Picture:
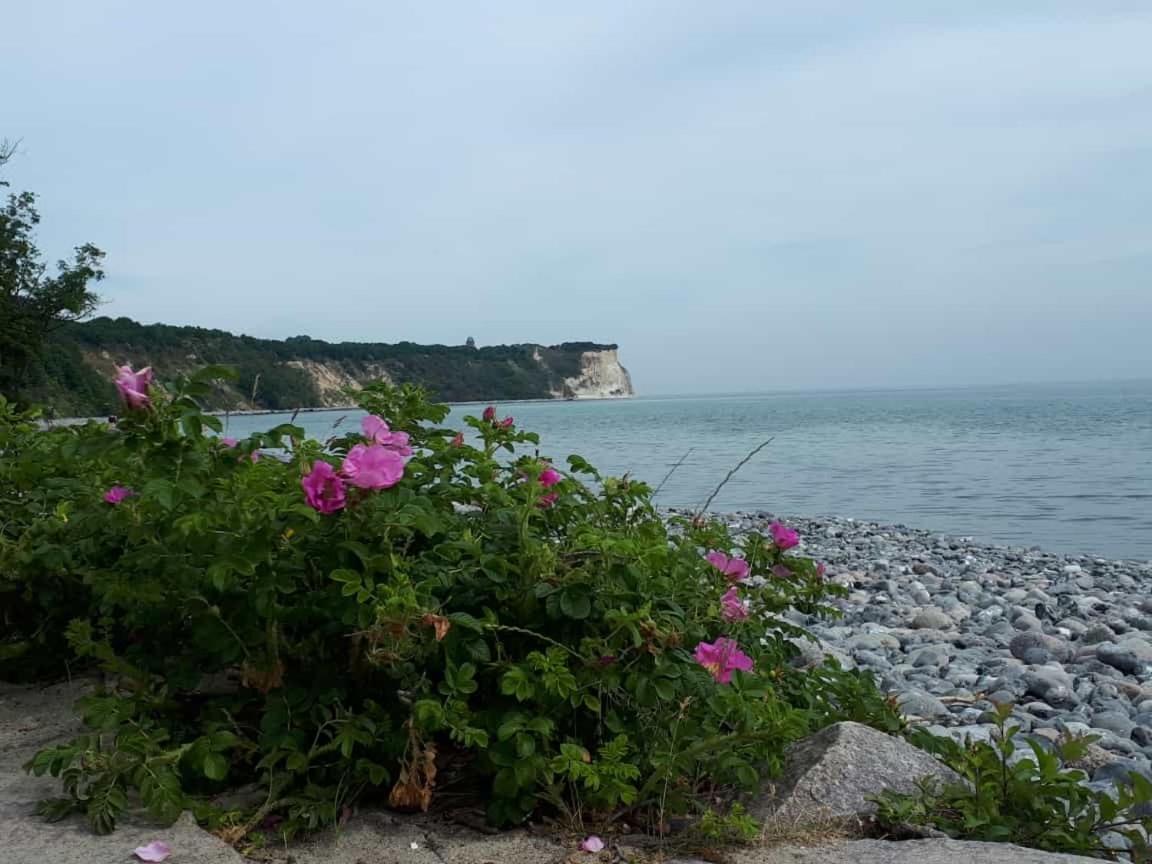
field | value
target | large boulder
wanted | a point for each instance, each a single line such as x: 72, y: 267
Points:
x: 832, y: 775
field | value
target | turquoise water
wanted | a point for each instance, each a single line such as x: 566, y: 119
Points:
x: 1064, y: 467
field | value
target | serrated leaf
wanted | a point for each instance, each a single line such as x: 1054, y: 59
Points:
x: 215, y: 766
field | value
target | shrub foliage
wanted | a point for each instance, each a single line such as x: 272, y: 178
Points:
x: 540, y: 639
x: 1017, y: 791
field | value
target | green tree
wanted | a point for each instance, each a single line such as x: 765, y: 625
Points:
x: 33, y: 303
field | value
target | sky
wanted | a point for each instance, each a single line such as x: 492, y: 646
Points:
x: 745, y: 195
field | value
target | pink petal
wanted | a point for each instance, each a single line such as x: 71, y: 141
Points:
x: 375, y: 429
x: 592, y: 844
x: 718, y: 560
x: 157, y: 850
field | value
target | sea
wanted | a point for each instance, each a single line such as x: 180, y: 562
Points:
x: 1067, y: 468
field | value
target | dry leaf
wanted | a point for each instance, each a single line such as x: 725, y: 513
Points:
x: 263, y: 679
x: 439, y: 623
x: 413, y: 788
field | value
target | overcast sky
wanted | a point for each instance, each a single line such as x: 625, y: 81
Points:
x: 746, y: 194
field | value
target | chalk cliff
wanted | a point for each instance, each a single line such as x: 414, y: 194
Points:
x: 302, y: 372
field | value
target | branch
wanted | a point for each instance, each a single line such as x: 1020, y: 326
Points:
x: 672, y: 471
x: 732, y: 473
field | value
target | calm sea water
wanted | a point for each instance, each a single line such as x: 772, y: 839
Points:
x: 1064, y: 467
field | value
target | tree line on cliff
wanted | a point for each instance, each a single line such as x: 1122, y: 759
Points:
x: 51, y: 356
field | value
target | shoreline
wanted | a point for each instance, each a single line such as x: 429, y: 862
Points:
x: 260, y: 412
x: 853, y: 524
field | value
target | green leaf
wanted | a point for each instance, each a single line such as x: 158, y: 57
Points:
x: 575, y: 602
x: 159, y: 490
x: 428, y: 714
x: 215, y: 766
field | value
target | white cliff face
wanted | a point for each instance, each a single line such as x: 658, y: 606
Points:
x: 601, y: 377
x: 332, y: 381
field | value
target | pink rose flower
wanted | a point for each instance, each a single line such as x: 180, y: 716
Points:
x: 133, y: 386
x: 722, y: 658
x: 227, y: 441
x: 783, y: 536
x: 490, y: 413
x: 157, y: 850
x: 547, y: 500
x: 736, y: 569
x: 732, y: 608
x: 458, y: 441
x: 592, y: 844
x: 323, y: 488
x: 378, y: 432
x: 117, y: 494
x: 373, y: 466
x: 375, y: 429
x: 821, y: 570
x: 781, y: 572
x: 507, y: 423
x: 549, y: 477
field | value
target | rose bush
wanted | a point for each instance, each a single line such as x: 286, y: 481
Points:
x: 391, y: 612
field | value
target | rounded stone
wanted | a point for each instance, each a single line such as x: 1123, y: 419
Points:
x: 1130, y: 656
x: 929, y: 657
x: 1041, y: 709
x: 1027, y: 622
x: 1097, y: 633
x: 921, y: 704
x: 1037, y: 656
x: 931, y: 619
x: 1113, y: 721
x: 1051, y: 686
x: 1031, y: 640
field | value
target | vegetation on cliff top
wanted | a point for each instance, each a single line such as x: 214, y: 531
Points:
x: 280, y: 374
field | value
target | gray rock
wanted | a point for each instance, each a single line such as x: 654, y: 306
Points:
x: 1050, y: 685
x: 1001, y: 631
x: 1037, y: 656
x: 832, y: 774
x: 873, y: 642
x: 1073, y: 626
x: 1130, y: 656
x: 1114, y: 721
x: 1040, y: 709
x: 1120, y: 771
x: 931, y: 619
x: 932, y: 657
x: 1098, y: 633
x: 1031, y: 640
x: 1027, y: 622
x: 921, y: 704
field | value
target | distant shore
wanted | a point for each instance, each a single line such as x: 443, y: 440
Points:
x: 320, y: 409
x: 256, y: 412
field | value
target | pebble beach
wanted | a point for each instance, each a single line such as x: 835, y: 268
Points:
x: 952, y: 627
